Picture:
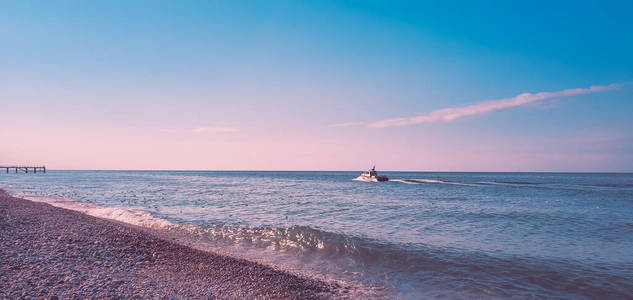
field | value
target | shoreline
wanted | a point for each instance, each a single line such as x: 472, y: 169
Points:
x: 58, y: 253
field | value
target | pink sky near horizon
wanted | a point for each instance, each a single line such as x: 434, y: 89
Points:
x: 73, y: 150
x: 316, y: 86
x: 80, y: 140
x: 151, y: 131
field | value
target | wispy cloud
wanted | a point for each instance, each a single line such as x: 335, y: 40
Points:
x: 452, y: 113
x: 348, y: 124
x: 215, y: 129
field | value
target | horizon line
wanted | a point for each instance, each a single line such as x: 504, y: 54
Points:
x: 305, y: 170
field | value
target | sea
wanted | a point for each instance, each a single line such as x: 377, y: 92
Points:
x: 420, y: 235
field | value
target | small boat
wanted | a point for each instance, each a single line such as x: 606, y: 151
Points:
x: 371, y: 176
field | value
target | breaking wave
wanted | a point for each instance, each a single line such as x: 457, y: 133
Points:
x: 132, y: 216
x: 298, y: 249
x: 370, y: 264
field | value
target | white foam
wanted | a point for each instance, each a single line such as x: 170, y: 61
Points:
x: 424, y: 180
x: 267, y: 256
x: 504, y: 183
x: 432, y: 181
x: 127, y: 215
x: 405, y: 181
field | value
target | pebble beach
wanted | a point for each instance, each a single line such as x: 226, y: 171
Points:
x: 54, y: 253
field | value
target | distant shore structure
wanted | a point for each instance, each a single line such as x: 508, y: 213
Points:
x: 24, y: 169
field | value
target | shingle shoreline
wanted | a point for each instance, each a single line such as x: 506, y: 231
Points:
x: 50, y: 252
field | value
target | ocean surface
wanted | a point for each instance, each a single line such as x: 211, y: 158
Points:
x: 420, y: 235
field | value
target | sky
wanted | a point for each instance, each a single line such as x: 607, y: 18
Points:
x: 318, y: 85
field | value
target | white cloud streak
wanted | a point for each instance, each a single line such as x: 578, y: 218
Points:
x: 453, y: 113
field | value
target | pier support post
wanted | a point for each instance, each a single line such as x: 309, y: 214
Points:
x: 25, y: 169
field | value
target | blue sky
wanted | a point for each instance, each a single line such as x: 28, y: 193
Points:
x: 258, y: 85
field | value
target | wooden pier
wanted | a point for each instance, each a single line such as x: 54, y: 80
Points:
x: 25, y: 169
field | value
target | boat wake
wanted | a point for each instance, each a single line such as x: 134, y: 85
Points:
x: 512, y: 183
x: 432, y: 181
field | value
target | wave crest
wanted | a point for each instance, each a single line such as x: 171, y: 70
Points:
x: 122, y: 214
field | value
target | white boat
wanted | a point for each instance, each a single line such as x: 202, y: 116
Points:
x: 371, y: 176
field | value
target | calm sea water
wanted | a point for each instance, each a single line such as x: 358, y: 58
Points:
x: 457, y: 235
